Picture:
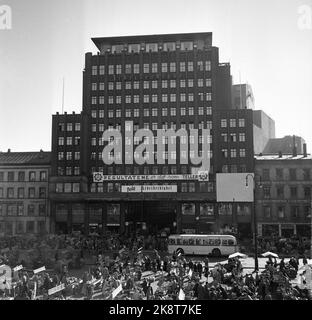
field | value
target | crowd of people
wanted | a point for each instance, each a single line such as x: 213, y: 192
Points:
x: 135, y: 274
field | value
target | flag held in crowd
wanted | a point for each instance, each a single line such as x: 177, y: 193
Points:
x: 117, y: 291
x: 18, y: 268
x: 269, y: 254
x: 39, y: 270
x: 181, y: 295
x: 56, y: 289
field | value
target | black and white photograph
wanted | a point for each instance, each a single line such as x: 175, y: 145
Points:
x: 155, y: 150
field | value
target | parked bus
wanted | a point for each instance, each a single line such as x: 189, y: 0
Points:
x: 200, y: 244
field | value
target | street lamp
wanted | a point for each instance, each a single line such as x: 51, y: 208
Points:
x: 254, y: 217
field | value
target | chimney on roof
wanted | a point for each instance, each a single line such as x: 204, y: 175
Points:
x: 294, y: 146
x: 280, y: 154
x: 9, y: 150
x: 305, y: 150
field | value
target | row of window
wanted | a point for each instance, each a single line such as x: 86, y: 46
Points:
x: 11, y: 176
x: 20, y: 210
x: 67, y: 187
x: 69, y: 126
x: 136, y: 170
x: 234, y: 153
x: 7, y: 227
x: 117, y: 156
x: 280, y: 174
x: 232, y: 123
x: 233, y: 137
x: 172, y: 97
x: 21, y: 193
x: 68, y: 171
x: 184, y: 139
x: 280, y: 192
x: 154, y: 47
x: 147, y: 125
x: 154, y: 112
x: 153, y: 67
x: 135, y: 85
x: 281, y: 211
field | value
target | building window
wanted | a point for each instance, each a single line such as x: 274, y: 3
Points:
x: 102, y: 86
x: 11, y: 176
x: 173, y: 111
x: 164, y: 98
x: 233, y: 153
x: 242, y: 153
x: 68, y: 171
x: 94, y: 70
x: 191, y: 111
x: 42, y: 210
x: 182, y: 66
x: 30, y: 226
x: 223, y: 123
x: 42, y: 192
x: 172, y: 97
x: 241, y: 123
x: 267, y: 192
x: 307, y: 192
x: 306, y: 174
x: 173, y: 83
x: 93, y: 114
x: 190, y: 66
x: 292, y: 174
x: 208, y: 82
x: 267, y: 212
x: 32, y: 176
x: 208, y: 65
x: 21, y: 176
x: 293, y: 192
x: 281, y: 212
x: 77, y: 126
x: 241, y: 137
x: 294, y: 211
x: 146, y: 68
x: 232, y: 123
x: 111, y: 69
x: 224, y: 137
x: 69, y: 127
x: 136, y: 68
x: 172, y: 67
x: 102, y: 70
x: 69, y: 141
x: 154, y: 68
x: 280, y: 192
x: 266, y: 174
x: 118, y: 69
x: 94, y: 100
x: 21, y: 193
x: 31, y: 192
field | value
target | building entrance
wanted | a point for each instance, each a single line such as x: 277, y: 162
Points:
x: 150, y: 217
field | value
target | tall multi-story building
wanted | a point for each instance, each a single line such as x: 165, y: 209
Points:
x: 242, y: 96
x: 158, y: 82
x: 283, y: 199
x: 286, y: 145
x: 24, y: 203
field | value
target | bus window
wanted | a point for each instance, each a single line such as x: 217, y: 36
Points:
x: 231, y: 242
x: 171, y: 241
x: 185, y: 242
x: 198, y: 242
x: 211, y: 242
x: 206, y: 242
x: 224, y: 242
x: 178, y: 241
x: 191, y: 242
x: 217, y: 242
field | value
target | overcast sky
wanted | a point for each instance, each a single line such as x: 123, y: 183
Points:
x: 48, y: 40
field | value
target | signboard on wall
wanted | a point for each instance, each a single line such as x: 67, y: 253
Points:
x: 235, y: 187
x: 149, y: 188
x: 100, y: 177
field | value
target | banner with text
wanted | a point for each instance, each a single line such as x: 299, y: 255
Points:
x: 149, y: 188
